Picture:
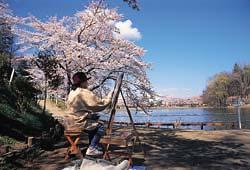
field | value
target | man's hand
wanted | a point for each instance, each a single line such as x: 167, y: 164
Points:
x: 81, y: 119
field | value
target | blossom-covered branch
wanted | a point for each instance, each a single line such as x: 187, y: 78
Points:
x: 86, y: 42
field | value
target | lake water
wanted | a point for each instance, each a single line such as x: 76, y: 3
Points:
x: 188, y: 115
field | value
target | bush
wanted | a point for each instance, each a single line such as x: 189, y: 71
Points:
x: 7, y: 96
x: 5, y: 69
x: 30, y: 123
x: 8, y: 111
x: 24, y: 92
x: 5, y: 140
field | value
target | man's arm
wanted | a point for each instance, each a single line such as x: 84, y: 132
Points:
x: 93, y: 103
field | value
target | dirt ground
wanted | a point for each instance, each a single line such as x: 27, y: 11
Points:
x: 227, y: 149
x: 173, y: 149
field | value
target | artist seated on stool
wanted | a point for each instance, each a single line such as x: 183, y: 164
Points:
x: 81, y: 104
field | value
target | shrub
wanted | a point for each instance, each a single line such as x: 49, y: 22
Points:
x: 25, y: 93
x: 5, y: 140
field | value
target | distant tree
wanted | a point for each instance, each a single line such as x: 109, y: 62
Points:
x: 246, y: 73
x: 223, y: 85
x: 43, y: 71
x: 234, y: 88
x: 240, y: 81
x: 6, y: 42
x: 216, y: 92
x: 21, y: 68
x: 21, y: 92
x: 236, y: 69
x: 24, y: 92
x: 6, y: 35
x: 5, y: 67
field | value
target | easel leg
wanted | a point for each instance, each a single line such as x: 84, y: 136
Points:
x: 130, y: 161
x: 140, y: 144
x: 106, y: 154
x: 133, y: 125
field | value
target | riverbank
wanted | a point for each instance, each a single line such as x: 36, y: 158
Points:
x: 247, y: 106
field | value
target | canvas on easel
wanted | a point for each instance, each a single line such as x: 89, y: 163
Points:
x: 114, y: 100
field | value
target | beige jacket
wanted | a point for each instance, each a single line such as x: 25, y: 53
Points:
x: 80, y: 104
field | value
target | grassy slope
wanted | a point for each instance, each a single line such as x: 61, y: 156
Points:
x: 19, y: 125
x: 16, y: 126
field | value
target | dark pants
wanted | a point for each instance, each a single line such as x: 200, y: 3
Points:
x: 95, y: 135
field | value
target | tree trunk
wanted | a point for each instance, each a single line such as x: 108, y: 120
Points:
x: 45, y: 96
x: 68, y: 85
x: 69, y: 79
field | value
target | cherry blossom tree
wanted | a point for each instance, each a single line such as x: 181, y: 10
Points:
x: 86, y: 42
x: 7, y: 48
x: 6, y: 16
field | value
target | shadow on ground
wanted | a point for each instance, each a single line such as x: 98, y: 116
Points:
x: 165, y: 149
x: 169, y: 149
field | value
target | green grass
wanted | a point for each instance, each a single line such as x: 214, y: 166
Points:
x: 19, y: 122
x: 5, y: 140
x: 60, y: 103
x: 19, y: 125
x: 33, y: 117
x: 8, y: 111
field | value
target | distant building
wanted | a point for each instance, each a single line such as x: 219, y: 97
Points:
x: 168, y: 101
x: 180, y: 102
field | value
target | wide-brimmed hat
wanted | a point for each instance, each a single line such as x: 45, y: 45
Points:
x: 80, y: 77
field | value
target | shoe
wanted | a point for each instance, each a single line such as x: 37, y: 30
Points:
x: 93, y: 151
x: 123, y: 165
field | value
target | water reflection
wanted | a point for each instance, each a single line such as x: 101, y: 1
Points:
x: 187, y: 115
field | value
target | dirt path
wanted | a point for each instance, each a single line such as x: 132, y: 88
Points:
x: 53, y: 109
x: 227, y: 149
x: 176, y: 149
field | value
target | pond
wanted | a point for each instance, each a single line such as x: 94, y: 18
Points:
x: 188, y: 115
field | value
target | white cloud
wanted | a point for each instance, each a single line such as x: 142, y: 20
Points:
x: 126, y: 31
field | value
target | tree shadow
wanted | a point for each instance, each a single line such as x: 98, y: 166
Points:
x: 165, y: 149
x: 15, y: 129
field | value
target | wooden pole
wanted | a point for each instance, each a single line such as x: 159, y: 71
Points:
x: 30, y: 141
x: 11, y: 77
x: 239, y: 117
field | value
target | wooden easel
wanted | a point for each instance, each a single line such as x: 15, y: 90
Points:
x: 121, y: 140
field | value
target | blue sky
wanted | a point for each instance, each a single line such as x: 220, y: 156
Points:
x: 187, y: 41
